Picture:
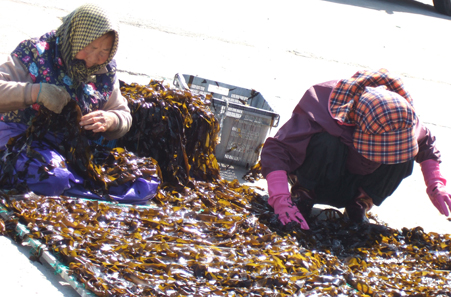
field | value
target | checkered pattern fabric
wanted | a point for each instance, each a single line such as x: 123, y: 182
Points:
x: 382, y: 112
x: 79, y: 29
x: 348, y: 91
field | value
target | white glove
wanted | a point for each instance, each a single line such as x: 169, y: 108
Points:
x: 52, y: 97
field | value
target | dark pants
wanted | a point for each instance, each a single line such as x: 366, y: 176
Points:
x: 324, y: 171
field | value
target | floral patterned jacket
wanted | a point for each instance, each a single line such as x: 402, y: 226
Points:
x: 38, y: 60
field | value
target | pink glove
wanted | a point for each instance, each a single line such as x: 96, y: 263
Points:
x: 435, y: 183
x: 280, y: 199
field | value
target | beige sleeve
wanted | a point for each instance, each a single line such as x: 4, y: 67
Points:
x: 118, y: 105
x: 15, y: 93
x: 15, y: 85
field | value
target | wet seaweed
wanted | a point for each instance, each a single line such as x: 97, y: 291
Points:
x: 204, y: 236
x: 206, y: 244
x: 174, y: 127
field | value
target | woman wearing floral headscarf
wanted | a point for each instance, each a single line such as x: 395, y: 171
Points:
x: 75, y: 62
x: 350, y: 143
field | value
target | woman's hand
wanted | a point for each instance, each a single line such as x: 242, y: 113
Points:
x: 99, y: 121
x: 51, y: 96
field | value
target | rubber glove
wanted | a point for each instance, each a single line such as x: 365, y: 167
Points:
x: 435, y: 183
x: 52, y: 97
x: 280, y: 199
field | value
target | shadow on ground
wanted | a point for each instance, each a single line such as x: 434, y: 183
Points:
x: 407, y: 6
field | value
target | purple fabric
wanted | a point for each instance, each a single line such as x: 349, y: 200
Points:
x: 287, y: 149
x: 10, y: 130
x: 138, y: 192
x: 63, y: 181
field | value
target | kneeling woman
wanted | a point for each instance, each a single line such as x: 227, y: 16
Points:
x: 350, y: 143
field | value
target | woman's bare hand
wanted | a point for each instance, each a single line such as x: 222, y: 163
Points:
x: 99, y: 121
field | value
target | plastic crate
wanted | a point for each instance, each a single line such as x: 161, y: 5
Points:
x: 245, y: 118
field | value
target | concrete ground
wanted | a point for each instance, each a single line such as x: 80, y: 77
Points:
x: 277, y: 48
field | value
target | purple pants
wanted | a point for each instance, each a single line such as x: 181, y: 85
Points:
x: 63, y: 181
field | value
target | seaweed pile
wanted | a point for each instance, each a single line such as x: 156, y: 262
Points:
x: 176, y: 128
x: 204, y: 236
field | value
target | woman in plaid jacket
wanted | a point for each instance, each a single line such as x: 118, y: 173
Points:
x: 350, y: 143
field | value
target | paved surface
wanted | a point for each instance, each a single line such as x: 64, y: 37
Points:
x: 278, y: 48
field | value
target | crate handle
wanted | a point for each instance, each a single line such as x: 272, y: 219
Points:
x: 179, y: 82
x: 222, y: 115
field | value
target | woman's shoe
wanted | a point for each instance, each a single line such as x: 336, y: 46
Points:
x: 359, y: 206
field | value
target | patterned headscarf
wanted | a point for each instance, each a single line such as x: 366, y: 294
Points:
x: 347, y: 92
x: 79, y: 29
x: 382, y: 111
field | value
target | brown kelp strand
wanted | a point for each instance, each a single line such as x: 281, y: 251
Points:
x: 254, y: 173
x: 174, y: 127
x: 2, y: 227
x: 101, y: 167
